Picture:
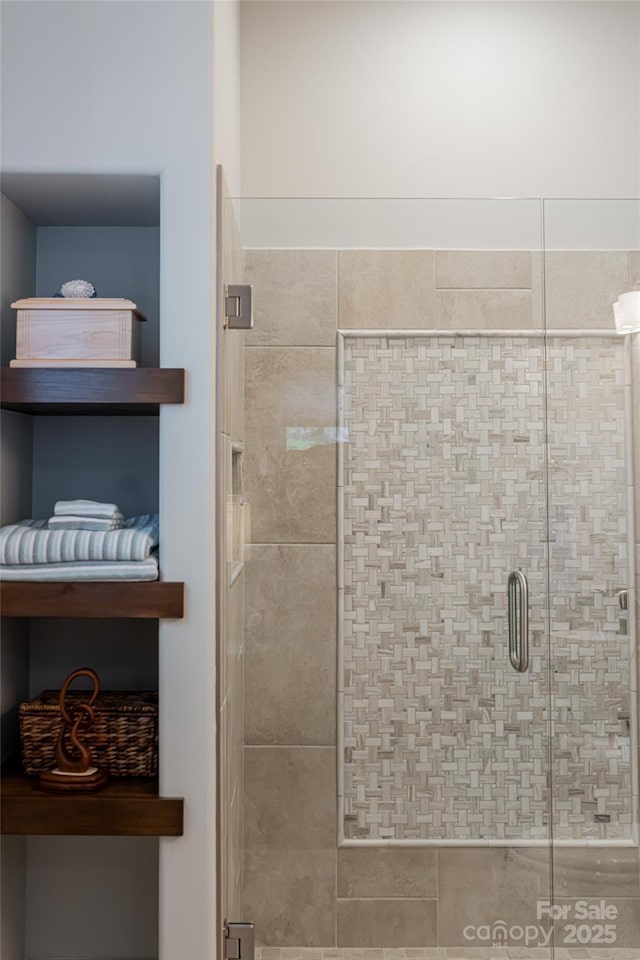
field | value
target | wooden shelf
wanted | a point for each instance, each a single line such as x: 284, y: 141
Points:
x: 124, y: 808
x: 157, y: 599
x: 90, y: 391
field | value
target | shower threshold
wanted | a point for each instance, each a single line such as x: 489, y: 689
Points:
x: 445, y: 953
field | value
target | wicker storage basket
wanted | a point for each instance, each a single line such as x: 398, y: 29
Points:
x: 123, y: 739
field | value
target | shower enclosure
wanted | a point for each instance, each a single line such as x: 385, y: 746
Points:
x: 428, y: 690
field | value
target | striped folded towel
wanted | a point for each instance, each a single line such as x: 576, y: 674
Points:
x: 86, y: 508
x: 86, y: 523
x: 32, y: 542
x: 105, y: 570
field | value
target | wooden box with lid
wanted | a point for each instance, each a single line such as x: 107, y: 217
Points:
x: 77, y: 332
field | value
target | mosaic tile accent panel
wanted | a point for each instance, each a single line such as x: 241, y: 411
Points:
x: 444, y: 492
x: 589, y: 558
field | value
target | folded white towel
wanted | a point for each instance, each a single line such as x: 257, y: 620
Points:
x: 86, y: 523
x: 85, y: 508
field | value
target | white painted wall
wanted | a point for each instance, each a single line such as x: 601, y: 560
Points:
x: 17, y: 279
x: 440, y: 99
x: 129, y: 87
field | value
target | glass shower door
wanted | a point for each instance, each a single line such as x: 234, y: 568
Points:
x: 395, y: 484
x: 444, y: 644
x: 593, y: 389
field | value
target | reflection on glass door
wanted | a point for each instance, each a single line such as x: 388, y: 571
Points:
x: 415, y: 437
x: 592, y: 258
x: 443, y: 505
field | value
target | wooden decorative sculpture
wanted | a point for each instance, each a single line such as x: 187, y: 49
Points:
x: 75, y: 774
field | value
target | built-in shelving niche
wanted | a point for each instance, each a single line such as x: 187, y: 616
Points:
x: 106, y: 230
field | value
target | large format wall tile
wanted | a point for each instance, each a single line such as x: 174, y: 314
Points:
x: 625, y: 924
x: 483, y: 269
x: 581, y: 287
x: 379, y: 289
x: 596, y: 872
x: 290, y: 896
x: 634, y: 269
x: 483, y: 885
x: 290, y: 460
x: 295, y: 297
x: 387, y: 923
x: 290, y: 665
x: 387, y: 872
x: 484, y: 310
x: 290, y: 795
x: 290, y: 844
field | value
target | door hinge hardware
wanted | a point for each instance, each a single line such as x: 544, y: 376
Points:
x: 239, y: 941
x: 238, y: 306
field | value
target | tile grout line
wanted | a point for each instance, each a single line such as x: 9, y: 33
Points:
x: 291, y: 543
x: 291, y: 746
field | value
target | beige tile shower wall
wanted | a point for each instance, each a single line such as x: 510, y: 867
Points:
x: 299, y: 888
x: 581, y: 287
x: 479, y: 290
x: 291, y: 695
x: 290, y: 757
x: 290, y: 860
x: 478, y: 887
x: 444, y: 289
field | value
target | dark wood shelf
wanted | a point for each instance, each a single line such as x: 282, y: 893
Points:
x: 156, y: 599
x: 90, y: 391
x: 124, y: 808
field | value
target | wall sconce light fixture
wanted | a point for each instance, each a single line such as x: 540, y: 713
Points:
x: 626, y: 311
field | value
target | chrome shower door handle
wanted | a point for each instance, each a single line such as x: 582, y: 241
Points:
x: 518, y: 597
